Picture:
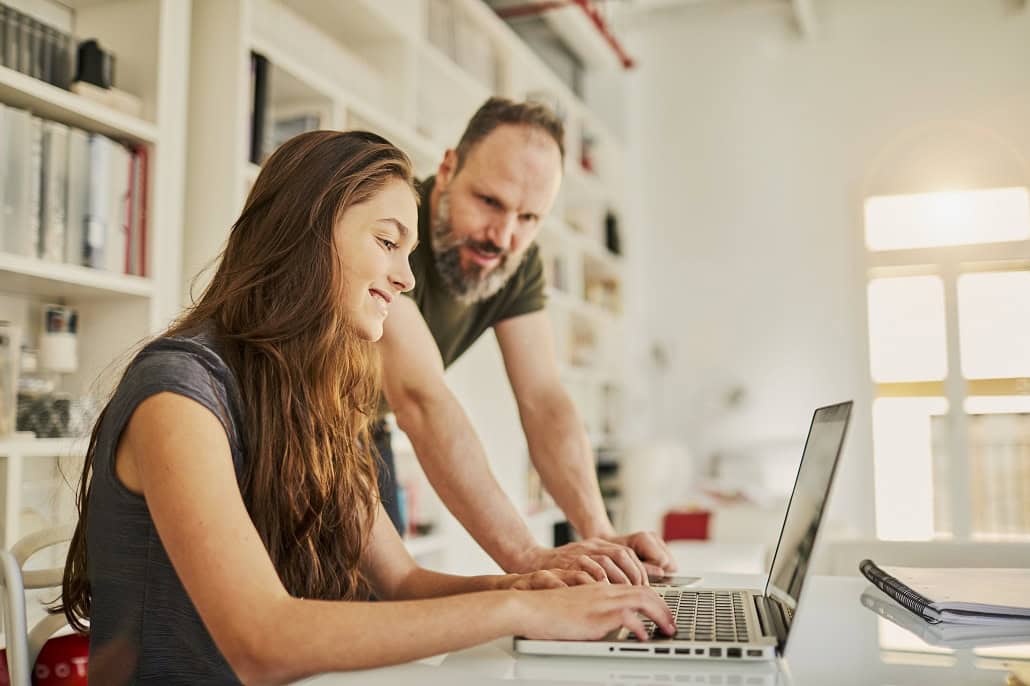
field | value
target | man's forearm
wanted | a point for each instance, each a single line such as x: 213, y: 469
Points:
x: 562, y: 455
x: 453, y: 458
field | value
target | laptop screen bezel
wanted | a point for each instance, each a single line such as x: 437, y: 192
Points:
x: 772, y: 591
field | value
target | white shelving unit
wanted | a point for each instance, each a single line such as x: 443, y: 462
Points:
x: 148, y: 39
x: 381, y: 65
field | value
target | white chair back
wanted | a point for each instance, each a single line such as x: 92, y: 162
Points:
x: 23, y: 645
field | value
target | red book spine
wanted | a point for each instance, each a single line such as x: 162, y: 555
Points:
x: 129, y: 204
x: 143, y: 185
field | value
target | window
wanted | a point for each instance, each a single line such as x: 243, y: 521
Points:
x: 948, y: 294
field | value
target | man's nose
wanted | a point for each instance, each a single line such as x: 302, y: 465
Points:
x: 502, y: 230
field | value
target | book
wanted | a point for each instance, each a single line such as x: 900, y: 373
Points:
x: 961, y: 596
x: 78, y: 196
x: 29, y: 232
x: 5, y: 147
x: 16, y: 182
x: 258, y: 123
x: 945, y: 634
x: 138, y: 213
x: 117, y: 239
x: 54, y: 188
x: 98, y: 209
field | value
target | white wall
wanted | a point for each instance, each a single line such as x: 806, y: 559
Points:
x: 754, y: 148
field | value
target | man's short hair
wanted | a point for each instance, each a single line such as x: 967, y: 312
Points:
x: 497, y: 112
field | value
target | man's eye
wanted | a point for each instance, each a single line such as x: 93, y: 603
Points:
x: 492, y: 202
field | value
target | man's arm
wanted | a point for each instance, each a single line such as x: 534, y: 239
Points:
x: 558, y: 442
x: 445, y: 442
x: 454, y: 460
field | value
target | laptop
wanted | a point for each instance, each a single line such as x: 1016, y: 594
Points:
x: 737, y: 623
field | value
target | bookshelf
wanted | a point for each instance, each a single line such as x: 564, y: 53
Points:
x: 51, y: 102
x: 116, y: 311
x: 415, y: 71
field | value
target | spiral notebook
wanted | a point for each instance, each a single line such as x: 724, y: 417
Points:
x: 945, y: 634
x: 961, y: 596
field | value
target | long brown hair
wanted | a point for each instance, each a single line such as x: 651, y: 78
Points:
x: 308, y: 385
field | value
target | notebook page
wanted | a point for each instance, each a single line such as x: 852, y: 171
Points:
x: 1004, y: 591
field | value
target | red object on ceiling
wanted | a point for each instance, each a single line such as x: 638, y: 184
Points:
x: 588, y: 8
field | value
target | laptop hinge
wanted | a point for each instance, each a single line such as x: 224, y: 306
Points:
x: 770, y: 615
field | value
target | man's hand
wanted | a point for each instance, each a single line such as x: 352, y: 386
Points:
x: 620, y: 560
x: 651, y: 550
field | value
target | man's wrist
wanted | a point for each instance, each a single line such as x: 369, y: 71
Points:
x: 597, y: 529
x: 522, y: 561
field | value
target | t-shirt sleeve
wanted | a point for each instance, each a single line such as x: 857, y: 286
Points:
x: 532, y: 296
x: 174, y: 371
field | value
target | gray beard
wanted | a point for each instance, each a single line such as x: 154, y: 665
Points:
x: 467, y: 287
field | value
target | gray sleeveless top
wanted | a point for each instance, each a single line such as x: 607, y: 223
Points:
x: 144, y: 628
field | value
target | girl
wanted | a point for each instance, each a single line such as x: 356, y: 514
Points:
x: 229, y: 523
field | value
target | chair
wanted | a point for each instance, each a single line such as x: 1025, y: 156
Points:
x: 23, y: 645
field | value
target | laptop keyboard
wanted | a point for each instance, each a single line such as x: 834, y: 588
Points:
x: 715, y: 616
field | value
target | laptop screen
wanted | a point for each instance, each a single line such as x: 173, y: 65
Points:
x: 805, y: 510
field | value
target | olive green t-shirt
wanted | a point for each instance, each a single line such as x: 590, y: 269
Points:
x: 456, y: 326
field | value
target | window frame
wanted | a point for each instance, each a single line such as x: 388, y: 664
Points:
x: 948, y: 263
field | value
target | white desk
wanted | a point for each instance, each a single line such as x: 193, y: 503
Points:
x: 835, y: 640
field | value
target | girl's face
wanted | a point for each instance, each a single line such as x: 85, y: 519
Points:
x: 373, y: 242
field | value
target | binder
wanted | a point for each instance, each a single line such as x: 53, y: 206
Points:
x: 78, y: 196
x: 54, y: 188
x: 962, y: 596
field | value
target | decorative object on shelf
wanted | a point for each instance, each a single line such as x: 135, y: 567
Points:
x: 58, y: 342
x: 41, y: 409
x: 10, y: 350
x: 94, y: 79
x: 586, y: 152
x: 94, y: 64
x: 34, y: 48
x: 46, y: 415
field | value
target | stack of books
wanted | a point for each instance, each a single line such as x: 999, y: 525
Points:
x: 34, y: 48
x: 67, y: 195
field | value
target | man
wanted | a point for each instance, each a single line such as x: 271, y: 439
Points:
x: 477, y: 267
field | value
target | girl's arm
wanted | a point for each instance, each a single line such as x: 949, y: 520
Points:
x: 181, y: 455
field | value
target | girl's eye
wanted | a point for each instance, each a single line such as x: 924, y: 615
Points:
x: 390, y: 245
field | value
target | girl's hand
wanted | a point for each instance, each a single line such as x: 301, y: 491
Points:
x: 590, y: 612
x: 548, y: 578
